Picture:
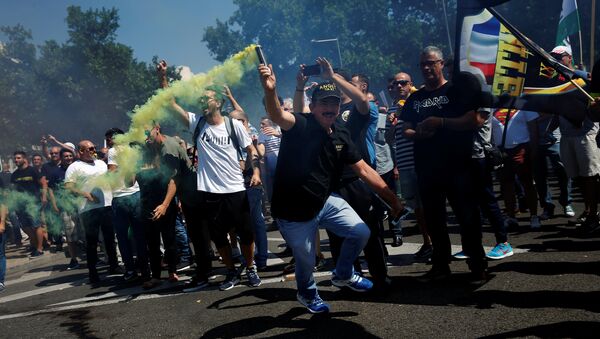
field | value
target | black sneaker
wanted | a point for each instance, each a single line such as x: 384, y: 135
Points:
x: 35, y: 254
x: 231, y: 279
x: 397, y: 241
x: 253, y: 278
x: 424, y: 252
x: 590, y: 224
x: 73, y: 265
x: 94, y: 278
x: 194, y: 285
x: 435, y: 274
x: 130, y: 276
x: 183, y: 265
x: 116, y: 270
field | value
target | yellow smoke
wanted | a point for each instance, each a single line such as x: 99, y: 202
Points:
x: 157, y: 108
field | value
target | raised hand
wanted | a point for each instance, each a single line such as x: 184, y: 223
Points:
x: 161, y: 68
x: 267, y: 77
x: 326, y: 68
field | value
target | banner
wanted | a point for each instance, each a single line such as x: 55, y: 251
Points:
x: 512, y: 70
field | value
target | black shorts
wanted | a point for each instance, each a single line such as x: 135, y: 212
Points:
x: 225, y: 212
x: 28, y: 220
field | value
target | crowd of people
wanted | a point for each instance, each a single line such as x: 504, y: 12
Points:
x: 331, y: 157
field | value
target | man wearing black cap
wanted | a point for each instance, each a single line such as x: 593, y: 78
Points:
x: 314, y: 150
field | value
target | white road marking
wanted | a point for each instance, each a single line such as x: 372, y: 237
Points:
x: 92, y: 304
x: 125, y: 295
x: 41, y: 290
x: 29, y: 276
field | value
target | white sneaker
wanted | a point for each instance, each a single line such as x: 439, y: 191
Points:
x: 2, y: 287
x: 535, y: 222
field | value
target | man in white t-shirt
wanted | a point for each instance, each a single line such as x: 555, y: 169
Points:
x: 84, y: 178
x: 126, y: 213
x: 223, y: 203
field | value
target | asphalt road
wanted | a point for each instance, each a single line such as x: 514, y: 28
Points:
x: 549, y: 288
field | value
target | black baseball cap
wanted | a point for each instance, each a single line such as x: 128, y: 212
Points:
x: 325, y: 90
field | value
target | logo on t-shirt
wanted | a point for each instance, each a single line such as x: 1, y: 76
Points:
x: 345, y: 115
x: 219, y: 140
x: 430, y: 102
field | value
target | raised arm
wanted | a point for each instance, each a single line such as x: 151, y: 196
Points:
x: 301, y: 80
x: 45, y: 151
x: 234, y: 103
x: 62, y: 145
x: 178, y: 112
x: 358, y: 98
x: 285, y: 120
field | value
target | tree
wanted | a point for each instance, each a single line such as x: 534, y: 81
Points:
x: 75, y: 90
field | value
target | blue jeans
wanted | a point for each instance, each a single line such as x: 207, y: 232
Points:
x: 181, y: 240
x: 270, y: 165
x: 552, y: 153
x: 335, y: 216
x: 126, y: 212
x: 258, y: 225
x: 2, y: 256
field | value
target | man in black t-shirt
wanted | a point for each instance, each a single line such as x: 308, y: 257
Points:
x: 314, y: 149
x: 442, y: 124
x: 26, y: 180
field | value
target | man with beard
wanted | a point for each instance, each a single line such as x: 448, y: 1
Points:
x: 83, y: 178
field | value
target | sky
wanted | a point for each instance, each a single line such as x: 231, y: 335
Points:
x: 170, y: 29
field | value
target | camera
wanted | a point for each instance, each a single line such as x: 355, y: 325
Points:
x: 312, y: 70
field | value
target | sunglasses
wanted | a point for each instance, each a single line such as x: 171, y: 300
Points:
x: 429, y: 63
x: 395, y: 83
x: 54, y: 153
x: 90, y: 149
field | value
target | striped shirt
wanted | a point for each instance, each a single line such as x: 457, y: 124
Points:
x: 271, y: 142
x: 405, y: 159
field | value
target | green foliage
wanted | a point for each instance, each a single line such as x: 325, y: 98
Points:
x: 73, y: 90
x: 378, y: 38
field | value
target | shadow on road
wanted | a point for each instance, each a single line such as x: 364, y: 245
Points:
x: 566, y: 329
x: 548, y: 268
x: 320, y: 325
x: 77, y: 323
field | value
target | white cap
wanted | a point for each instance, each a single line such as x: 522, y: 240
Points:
x: 70, y: 144
x: 562, y: 50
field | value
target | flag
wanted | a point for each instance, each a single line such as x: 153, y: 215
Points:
x: 568, y: 24
x: 512, y: 70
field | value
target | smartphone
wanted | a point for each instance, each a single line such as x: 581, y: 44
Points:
x: 312, y: 70
x: 261, y: 56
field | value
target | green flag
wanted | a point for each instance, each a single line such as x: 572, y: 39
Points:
x: 568, y: 24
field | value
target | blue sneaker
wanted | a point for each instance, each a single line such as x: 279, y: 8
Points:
x: 460, y: 256
x: 317, y: 305
x: 355, y: 283
x: 501, y: 251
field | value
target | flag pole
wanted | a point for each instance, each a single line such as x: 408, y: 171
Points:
x: 592, y: 30
x: 582, y: 90
x: 580, y: 40
x: 560, y: 68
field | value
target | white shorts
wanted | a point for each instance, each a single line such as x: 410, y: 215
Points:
x: 580, y: 155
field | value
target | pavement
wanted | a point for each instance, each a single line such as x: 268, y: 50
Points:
x: 548, y: 288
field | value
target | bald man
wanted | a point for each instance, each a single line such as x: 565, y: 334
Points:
x: 95, y: 211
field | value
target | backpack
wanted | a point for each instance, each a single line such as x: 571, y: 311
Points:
x: 230, y: 131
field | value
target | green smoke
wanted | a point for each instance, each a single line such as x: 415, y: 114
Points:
x: 157, y: 109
